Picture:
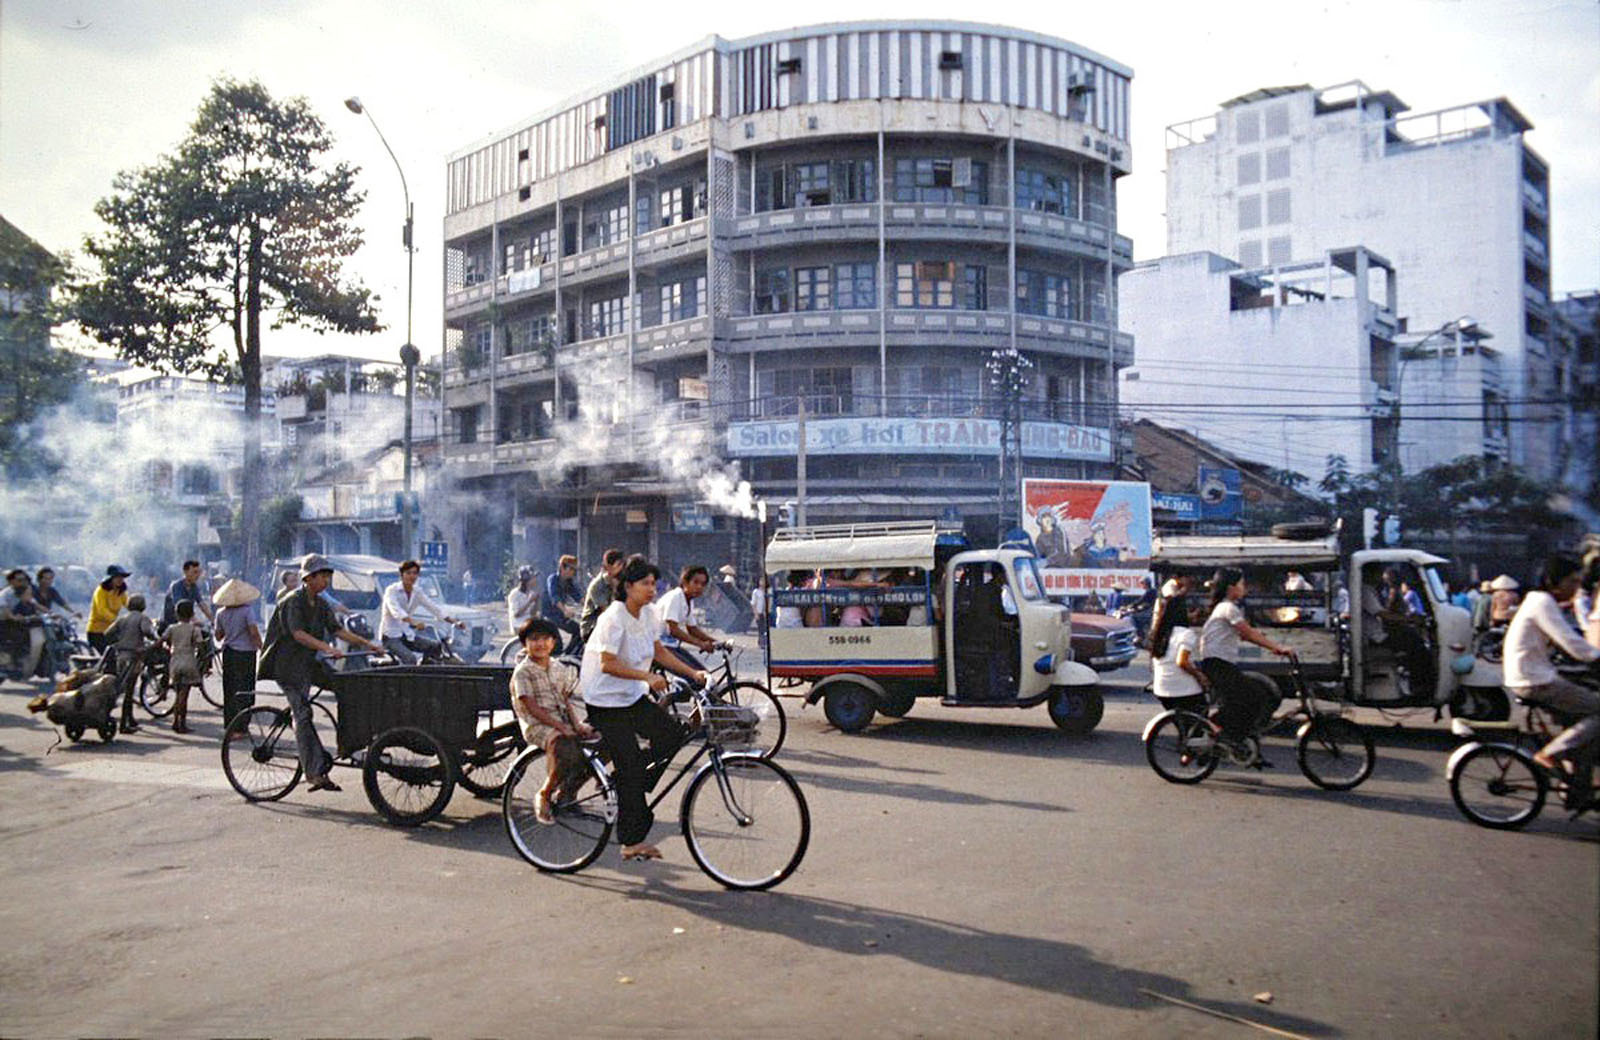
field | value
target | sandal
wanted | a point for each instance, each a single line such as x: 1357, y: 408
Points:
x: 640, y: 852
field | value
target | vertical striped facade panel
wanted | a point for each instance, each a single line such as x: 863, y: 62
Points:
x: 867, y: 64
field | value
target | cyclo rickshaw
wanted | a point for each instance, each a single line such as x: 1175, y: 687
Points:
x: 971, y: 627
x: 413, y: 731
x: 1340, y: 658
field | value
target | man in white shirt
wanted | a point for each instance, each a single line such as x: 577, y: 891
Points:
x: 1540, y: 622
x: 676, y: 611
x: 401, y: 602
x: 522, y: 602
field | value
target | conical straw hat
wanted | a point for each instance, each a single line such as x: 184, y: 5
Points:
x: 236, y: 593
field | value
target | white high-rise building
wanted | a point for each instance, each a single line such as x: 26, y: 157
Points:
x: 1454, y: 198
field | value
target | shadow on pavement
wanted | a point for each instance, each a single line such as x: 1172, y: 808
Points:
x: 1047, y: 965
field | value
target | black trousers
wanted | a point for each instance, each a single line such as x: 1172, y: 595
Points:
x: 97, y: 640
x: 1409, y: 646
x: 1239, y: 701
x: 620, y: 729
x: 238, y: 682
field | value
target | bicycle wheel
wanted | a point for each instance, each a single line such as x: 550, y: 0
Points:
x: 745, y: 821
x: 485, y: 763
x: 408, y: 775
x: 582, y: 811
x: 259, y: 754
x: 213, y: 699
x: 1181, y: 748
x: 155, y: 695
x: 1335, y: 753
x: 508, y: 653
x: 772, y: 724
x: 1498, y: 786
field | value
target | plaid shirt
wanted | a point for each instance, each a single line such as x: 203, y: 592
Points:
x: 553, y: 689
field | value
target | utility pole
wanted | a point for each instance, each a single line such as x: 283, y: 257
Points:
x: 800, y: 466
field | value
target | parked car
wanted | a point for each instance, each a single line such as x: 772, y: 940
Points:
x: 359, y: 583
x: 1103, y: 642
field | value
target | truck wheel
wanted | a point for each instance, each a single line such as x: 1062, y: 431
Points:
x: 849, y: 706
x: 896, y: 705
x: 1077, y: 709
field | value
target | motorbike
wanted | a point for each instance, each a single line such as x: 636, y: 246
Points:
x: 61, y: 643
x: 431, y: 641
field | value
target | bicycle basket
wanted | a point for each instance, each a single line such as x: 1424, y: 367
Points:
x: 730, y: 724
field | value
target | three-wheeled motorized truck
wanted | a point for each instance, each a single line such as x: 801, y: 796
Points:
x: 878, y: 615
x: 1341, y: 658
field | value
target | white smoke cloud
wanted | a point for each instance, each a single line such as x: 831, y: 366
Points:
x: 654, y: 434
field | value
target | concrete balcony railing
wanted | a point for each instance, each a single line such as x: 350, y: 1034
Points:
x: 932, y: 327
x: 906, y: 220
x: 1535, y: 199
x: 1535, y: 295
x: 663, y: 245
x: 658, y: 343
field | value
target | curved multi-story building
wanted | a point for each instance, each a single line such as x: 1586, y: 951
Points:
x: 849, y: 219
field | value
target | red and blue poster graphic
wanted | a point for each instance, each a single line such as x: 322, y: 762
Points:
x: 1090, y: 535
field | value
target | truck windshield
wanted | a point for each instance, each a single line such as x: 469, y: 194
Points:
x: 1028, y: 578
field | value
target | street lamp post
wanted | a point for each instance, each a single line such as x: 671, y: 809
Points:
x: 409, y: 354
x: 1010, y: 373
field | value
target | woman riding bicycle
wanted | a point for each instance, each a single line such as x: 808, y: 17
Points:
x: 615, y: 686
x: 1241, y: 701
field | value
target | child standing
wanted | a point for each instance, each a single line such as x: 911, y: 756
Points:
x: 129, y: 636
x: 182, y: 640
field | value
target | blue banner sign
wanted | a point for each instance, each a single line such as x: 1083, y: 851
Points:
x: 1221, y: 493
x: 692, y: 518
x: 1182, y: 507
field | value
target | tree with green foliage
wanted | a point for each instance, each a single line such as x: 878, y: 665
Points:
x: 35, y: 375
x: 241, y: 224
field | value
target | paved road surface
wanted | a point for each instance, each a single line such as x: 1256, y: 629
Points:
x: 971, y: 873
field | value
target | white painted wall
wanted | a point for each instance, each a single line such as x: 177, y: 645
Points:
x: 1193, y: 350
x: 1449, y: 217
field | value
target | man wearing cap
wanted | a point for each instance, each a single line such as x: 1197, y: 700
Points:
x: 302, y: 627
x: 110, y: 597
x: 522, y: 602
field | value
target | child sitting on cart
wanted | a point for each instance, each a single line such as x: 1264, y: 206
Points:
x: 543, y: 697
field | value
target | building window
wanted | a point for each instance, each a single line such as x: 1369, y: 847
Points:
x: 476, y: 266
x: 1277, y: 164
x: 466, y: 422
x: 1249, y: 212
x: 682, y: 300
x: 683, y: 203
x: 605, y: 226
x: 941, y: 180
x: 607, y: 317
x: 1277, y: 124
x: 772, y: 291
x: 812, y: 290
x: 828, y: 391
x: 1045, y: 192
x: 669, y: 106
x: 1278, y: 206
x: 975, y: 287
x: 1099, y: 203
x: 1279, y: 250
x: 1249, y: 168
x: 855, y: 286
x: 925, y: 284
x: 1250, y: 254
x: 786, y: 185
x: 530, y: 333
x: 1045, y: 294
x: 1247, y: 126
x: 811, y: 184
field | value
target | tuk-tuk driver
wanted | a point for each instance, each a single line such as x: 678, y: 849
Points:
x: 1387, y: 622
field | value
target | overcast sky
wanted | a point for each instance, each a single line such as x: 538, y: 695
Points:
x: 90, y: 88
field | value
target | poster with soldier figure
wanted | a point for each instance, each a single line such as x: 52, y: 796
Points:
x: 1090, y: 535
